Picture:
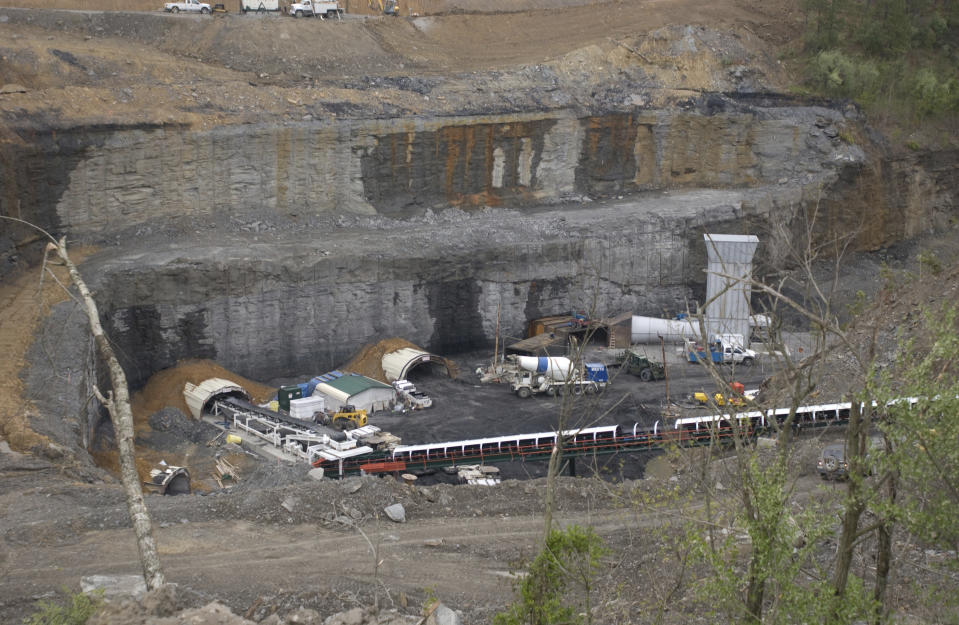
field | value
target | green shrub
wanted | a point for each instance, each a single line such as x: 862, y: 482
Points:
x: 841, y: 75
x: 930, y: 262
x: 933, y: 95
x: 79, y: 609
x: 558, y: 585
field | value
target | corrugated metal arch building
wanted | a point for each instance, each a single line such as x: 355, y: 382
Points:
x: 357, y: 390
x: 198, y: 396
x: 397, y: 365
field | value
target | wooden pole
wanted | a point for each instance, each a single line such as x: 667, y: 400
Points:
x: 662, y: 345
x: 495, y: 342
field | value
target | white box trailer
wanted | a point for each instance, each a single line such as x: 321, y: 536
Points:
x: 260, y: 6
x: 306, y: 407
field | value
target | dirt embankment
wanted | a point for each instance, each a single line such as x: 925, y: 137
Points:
x: 369, y: 360
x: 24, y: 301
x: 165, y: 388
x: 139, y: 68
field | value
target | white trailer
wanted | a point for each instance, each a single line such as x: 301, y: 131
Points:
x: 260, y: 6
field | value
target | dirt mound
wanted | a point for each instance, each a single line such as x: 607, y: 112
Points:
x: 165, y: 388
x: 24, y: 300
x: 166, y: 431
x: 369, y: 360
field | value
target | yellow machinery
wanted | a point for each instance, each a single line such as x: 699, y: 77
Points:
x: 719, y: 398
x: 738, y: 398
x: 348, y: 418
x: 386, y: 7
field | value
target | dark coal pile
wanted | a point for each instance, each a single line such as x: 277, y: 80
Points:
x: 172, y: 423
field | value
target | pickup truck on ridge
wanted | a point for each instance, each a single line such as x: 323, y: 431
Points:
x: 189, y: 6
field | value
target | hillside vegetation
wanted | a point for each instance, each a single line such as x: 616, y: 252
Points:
x: 898, y: 59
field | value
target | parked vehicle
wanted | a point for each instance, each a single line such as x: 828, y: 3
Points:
x: 722, y: 349
x: 386, y: 7
x: 647, y: 370
x: 556, y: 375
x: 315, y: 8
x: 347, y: 418
x: 833, y: 464
x: 189, y: 6
x: 407, y: 393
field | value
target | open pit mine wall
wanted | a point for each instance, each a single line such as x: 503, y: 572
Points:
x: 92, y: 180
x: 279, y: 317
x: 98, y: 183
x: 284, y: 317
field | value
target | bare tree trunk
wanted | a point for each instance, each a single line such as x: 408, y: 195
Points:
x: 755, y: 593
x: 883, y: 565
x: 552, y: 471
x: 117, y: 403
x: 884, y: 548
x: 856, y: 433
x: 847, y: 541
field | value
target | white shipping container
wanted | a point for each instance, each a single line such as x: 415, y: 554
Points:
x: 305, y: 408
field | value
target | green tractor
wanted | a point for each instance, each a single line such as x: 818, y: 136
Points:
x: 646, y: 369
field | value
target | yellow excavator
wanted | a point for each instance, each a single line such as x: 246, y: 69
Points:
x: 386, y: 7
x: 347, y: 418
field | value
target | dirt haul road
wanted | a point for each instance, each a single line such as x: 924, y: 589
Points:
x: 460, y: 543
x: 240, y: 562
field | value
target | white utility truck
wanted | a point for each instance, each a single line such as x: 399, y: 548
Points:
x: 313, y: 8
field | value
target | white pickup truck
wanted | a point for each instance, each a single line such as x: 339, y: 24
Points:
x: 407, y: 393
x: 313, y: 8
x: 189, y: 6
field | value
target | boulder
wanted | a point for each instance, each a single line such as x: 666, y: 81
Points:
x: 396, y: 513
x: 442, y: 615
x: 115, y: 586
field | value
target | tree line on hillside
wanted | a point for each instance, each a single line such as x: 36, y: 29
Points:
x: 897, y: 56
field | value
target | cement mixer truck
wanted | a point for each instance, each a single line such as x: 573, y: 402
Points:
x: 555, y: 375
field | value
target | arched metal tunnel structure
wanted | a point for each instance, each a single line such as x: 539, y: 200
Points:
x: 398, y: 364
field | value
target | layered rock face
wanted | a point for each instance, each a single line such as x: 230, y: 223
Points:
x: 292, y: 303
x: 280, y: 250
x: 127, y: 178
x: 313, y: 288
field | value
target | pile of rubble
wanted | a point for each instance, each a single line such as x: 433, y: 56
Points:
x: 168, y: 606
